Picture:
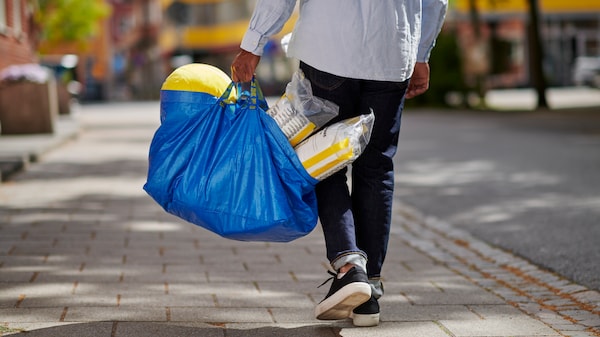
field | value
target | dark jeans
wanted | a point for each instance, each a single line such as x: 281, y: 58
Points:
x: 358, y: 221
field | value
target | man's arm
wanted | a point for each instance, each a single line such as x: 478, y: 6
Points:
x: 434, y: 12
x: 268, y: 19
x: 432, y: 20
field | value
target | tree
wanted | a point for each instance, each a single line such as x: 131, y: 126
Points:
x: 68, y: 21
x: 536, y: 51
x: 536, y: 56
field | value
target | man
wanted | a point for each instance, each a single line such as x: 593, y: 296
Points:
x: 361, y: 55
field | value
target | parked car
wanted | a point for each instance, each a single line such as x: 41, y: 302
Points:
x: 586, y: 71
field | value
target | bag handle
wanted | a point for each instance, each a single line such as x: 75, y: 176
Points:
x: 224, y: 99
x: 254, y: 96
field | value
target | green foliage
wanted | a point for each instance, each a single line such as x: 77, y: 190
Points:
x: 69, y: 20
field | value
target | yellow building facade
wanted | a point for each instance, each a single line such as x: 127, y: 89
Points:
x: 210, y: 31
x: 522, y: 6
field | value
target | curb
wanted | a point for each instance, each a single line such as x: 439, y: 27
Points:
x: 569, y: 308
x: 18, y: 151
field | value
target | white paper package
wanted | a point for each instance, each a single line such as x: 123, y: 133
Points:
x: 335, y: 146
x: 298, y: 112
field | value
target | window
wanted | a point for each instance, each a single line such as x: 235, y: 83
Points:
x: 3, y: 18
x: 17, y: 24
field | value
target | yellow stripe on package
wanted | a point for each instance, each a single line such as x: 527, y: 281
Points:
x: 336, y: 146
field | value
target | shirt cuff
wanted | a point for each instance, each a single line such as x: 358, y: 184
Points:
x: 254, y: 42
x: 423, y: 54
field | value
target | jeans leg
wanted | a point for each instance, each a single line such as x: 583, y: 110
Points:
x: 373, y: 172
x: 358, y: 223
x: 333, y: 196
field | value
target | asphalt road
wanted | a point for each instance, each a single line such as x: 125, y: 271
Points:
x: 525, y: 182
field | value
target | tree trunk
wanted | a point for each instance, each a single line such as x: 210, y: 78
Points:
x: 536, y: 56
x: 479, y: 77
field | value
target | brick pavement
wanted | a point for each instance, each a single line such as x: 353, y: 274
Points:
x: 85, y: 252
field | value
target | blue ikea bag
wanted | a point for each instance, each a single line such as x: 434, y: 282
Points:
x: 229, y: 168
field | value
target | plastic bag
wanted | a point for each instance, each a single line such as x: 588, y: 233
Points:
x: 336, y: 146
x: 298, y: 113
x: 227, y: 167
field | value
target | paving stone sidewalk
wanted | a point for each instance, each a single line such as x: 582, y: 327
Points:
x: 85, y: 252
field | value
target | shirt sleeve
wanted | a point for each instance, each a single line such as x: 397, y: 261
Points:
x: 434, y: 12
x: 267, y: 20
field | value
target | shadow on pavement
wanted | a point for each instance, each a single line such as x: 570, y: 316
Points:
x: 134, y: 329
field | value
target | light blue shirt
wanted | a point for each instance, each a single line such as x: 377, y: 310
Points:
x: 363, y: 39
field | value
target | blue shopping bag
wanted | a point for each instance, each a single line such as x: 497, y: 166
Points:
x: 229, y: 168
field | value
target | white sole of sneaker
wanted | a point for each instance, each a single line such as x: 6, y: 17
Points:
x: 341, y: 303
x: 364, y: 320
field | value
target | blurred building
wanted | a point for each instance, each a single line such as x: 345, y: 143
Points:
x: 16, y: 46
x: 144, y: 40
x: 207, y: 31
x: 494, y: 37
x: 210, y: 31
x: 135, y: 56
x: 123, y: 61
x: 29, y: 99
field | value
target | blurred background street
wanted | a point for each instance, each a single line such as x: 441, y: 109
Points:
x: 115, y: 50
x: 477, y: 226
x: 503, y: 151
x: 526, y: 182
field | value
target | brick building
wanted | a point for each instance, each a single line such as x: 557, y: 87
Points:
x: 15, y: 33
x: 25, y: 106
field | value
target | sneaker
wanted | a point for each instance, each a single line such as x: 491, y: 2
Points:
x: 345, y: 294
x: 366, y: 314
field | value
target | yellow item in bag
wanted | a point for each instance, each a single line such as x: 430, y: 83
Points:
x: 199, y: 77
x: 335, y: 146
x: 296, y: 126
x: 298, y: 112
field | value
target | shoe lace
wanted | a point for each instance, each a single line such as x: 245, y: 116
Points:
x: 333, y: 276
